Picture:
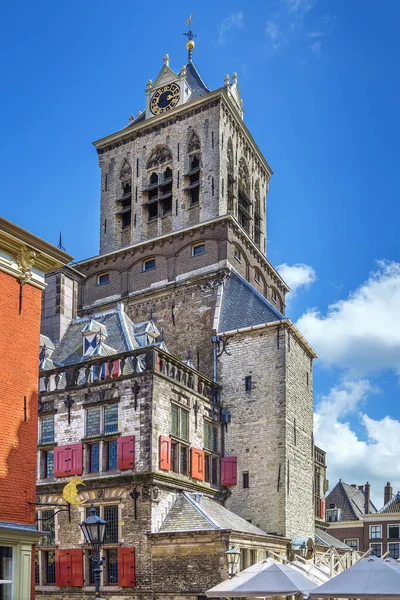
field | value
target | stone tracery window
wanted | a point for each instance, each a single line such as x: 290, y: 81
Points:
x: 257, y: 214
x: 231, y: 178
x: 193, y: 175
x: 244, y: 203
x: 159, y: 189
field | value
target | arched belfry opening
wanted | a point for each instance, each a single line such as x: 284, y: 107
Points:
x: 257, y: 215
x: 230, y: 176
x: 193, y: 172
x: 158, y: 188
x: 124, y: 203
x: 244, y: 201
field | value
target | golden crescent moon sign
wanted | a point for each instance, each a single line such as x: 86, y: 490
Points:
x: 70, y: 491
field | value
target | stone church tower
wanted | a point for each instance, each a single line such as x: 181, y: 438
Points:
x: 183, y: 228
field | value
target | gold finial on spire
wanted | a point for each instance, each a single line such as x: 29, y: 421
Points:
x: 190, y: 35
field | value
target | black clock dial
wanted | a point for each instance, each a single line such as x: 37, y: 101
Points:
x: 165, y: 98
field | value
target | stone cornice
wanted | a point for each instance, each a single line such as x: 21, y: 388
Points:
x: 26, y: 256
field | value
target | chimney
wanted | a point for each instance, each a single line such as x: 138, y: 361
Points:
x: 361, y: 488
x: 367, y: 494
x: 388, y: 493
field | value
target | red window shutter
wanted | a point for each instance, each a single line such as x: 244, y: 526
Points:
x: 126, y: 567
x: 59, y: 461
x: 115, y: 369
x: 229, y: 470
x: 197, y: 463
x: 165, y: 453
x: 69, y: 568
x: 76, y: 462
x: 126, y: 452
x: 322, y: 508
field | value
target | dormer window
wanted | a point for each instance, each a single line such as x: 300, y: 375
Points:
x: 89, y: 344
x: 333, y: 515
x: 92, y: 333
x: 103, y: 278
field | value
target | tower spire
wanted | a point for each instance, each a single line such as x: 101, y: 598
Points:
x: 190, y: 35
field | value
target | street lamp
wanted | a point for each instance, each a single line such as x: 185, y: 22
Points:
x: 232, y: 557
x: 94, y: 529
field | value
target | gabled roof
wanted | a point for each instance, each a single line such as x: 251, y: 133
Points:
x: 350, y: 499
x: 187, y: 514
x: 393, y: 506
x: 244, y: 306
x: 94, y: 326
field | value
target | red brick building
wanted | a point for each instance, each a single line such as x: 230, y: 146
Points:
x: 24, y: 260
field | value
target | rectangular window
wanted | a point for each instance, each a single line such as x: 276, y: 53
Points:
x: 394, y: 550
x: 111, y: 418
x: 149, y: 265
x: 376, y: 549
x: 111, y: 569
x: 246, y: 479
x: 93, y: 421
x: 6, y: 572
x: 111, y: 456
x: 110, y: 514
x: 153, y: 210
x: 393, y: 532
x: 94, y: 458
x: 184, y: 460
x: 50, y: 567
x: 210, y: 436
x: 198, y: 249
x: 247, y: 383
x: 179, y: 422
x: 47, y: 429
x: 257, y: 278
x: 103, y: 278
x: 253, y: 557
x: 37, y: 569
x: 48, y: 464
x: 243, y: 558
x: 46, y: 523
x: 238, y: 255
x: 179, y: 458
x: 353, y: 543
x: 214, y: 470
x: 375, y: 532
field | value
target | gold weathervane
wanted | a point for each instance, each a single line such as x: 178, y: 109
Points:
x: 189, y: 19
x: 70, y: 492
x: 190, y: 35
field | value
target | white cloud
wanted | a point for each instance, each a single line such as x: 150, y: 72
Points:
x: 234, y: 21
x: 377, y: 459
x: 299, y: 6
x: 362, y: 332
x: 274, y: 34
x: 297, y: 276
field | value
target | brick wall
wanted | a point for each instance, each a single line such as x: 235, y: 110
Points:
x: 20, y: 347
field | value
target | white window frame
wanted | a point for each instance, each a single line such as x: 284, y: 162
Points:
x: 376, y: 544
x: 375, y: 537
x: 98, y: 282
x: 347, y: 540
x: 257, y: 277
x: 199, y: 245
x: 12, y: 580
x: 145, y: 262
x: 393, y: 525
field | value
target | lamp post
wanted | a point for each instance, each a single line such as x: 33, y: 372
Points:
x: 94, y: 529
x: 232, y: 558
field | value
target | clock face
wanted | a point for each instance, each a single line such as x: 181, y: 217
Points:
x: 165, y: 98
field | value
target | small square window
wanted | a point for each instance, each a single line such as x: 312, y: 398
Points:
x: 103, y: 278
x: 198, y: 249
x: 149, y: 265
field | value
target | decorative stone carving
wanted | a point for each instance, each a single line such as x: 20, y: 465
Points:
x: 25, y: 260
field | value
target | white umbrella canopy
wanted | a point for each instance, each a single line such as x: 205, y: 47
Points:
x: 371, y: 578
x: 264, y: 579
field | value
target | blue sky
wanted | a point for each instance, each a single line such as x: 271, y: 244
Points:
x: 319, y: 79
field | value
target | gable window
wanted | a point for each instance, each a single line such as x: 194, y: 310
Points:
x: 198, y: 249
x: 103, y: 278
x: 149, y: 265
x: 393, y: 532
x: 47, y: 429
x: 375, y: 532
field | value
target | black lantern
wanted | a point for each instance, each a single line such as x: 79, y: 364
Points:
x: 94, y: 529
x: 232, y: 557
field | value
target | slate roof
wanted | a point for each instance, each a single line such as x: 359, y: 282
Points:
x: 118, y: 334
x: 243, y: 306
x: 350, y: 500
x: 326, y: 539
x: 195, y: 82
x: 393, y: 506
x: 187, y: 514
